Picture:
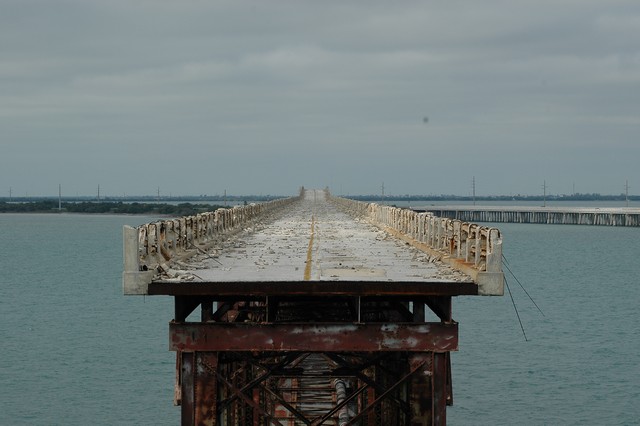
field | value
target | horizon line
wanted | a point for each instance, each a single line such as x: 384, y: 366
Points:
x: 222, y: 197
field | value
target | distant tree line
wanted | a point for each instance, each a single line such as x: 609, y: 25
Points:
x: 188, y: 209
x: 51, y: 206
x: 234, y: 199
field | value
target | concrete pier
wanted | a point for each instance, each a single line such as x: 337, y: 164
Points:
x: 602, y: 216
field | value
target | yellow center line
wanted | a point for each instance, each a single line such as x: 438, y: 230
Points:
x: 307, y: 268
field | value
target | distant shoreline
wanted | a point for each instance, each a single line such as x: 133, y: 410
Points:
x: 178, y: 206
x: 51, y: 206
x: 238, y: 199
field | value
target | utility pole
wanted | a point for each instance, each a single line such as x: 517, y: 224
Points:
x: 382, y: 198
x: 544, y: 193
x: 473, y: 184
x: 98, y: 192
x: 626, y: 191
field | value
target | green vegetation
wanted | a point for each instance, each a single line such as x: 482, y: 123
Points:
x: 51, y: 206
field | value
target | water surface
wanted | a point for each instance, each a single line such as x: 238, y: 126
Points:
x: 75, y: 351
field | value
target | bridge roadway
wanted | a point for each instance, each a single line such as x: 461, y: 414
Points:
x: 313, y: 310
x: 313, y: 240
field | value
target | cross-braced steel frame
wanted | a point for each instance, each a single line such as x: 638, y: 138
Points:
x: 319, y: 358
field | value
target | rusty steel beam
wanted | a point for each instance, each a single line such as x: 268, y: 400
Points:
x: 248, y: 289
x: 214, y: 395
x: 269, y: 370
x: 355, y: 370
x: 441, y: 306
x: 420, y: 390
x: 439, y: 389
x: 388, y: 391
x: 257, y: 408
x: 449, y: 381
x: 306, y: 337
x: 206, y: 389
x: 187, y: 377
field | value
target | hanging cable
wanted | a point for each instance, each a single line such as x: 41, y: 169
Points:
x: 516, y: 309
x: 506, y: 265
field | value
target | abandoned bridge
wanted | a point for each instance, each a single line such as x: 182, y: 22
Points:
x: 598, y: 216
x: 313, y: 309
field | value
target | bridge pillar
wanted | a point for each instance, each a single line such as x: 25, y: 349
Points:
x: 280, y: 373
x: 199, y: 388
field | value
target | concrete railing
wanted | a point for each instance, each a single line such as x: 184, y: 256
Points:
x: 149, y: 246
x: 473, y: 249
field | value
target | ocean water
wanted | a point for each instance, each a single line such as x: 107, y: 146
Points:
x: 580, y: 364
x: 75, y: 351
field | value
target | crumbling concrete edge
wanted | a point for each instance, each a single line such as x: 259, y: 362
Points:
x: 484, y: 268
x: 149, y: 248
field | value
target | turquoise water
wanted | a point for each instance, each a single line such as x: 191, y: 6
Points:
x: 76, y: 352
x: 581, y: 363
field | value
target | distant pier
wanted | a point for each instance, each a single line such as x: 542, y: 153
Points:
x: 602, y: 216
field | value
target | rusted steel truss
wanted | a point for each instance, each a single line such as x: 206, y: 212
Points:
x: 329, y: 360
x: 238, y: 388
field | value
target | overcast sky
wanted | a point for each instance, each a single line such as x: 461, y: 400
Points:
x: 261, y: 97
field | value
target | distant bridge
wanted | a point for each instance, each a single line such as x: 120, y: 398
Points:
x: 603, y: 216
x: 313, y: 309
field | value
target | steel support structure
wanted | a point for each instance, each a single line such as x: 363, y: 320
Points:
x: 312, y: 359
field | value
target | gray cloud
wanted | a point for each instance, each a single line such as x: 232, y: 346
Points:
x: 261, y: 97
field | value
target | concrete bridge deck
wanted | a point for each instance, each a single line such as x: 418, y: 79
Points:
x: 315, y: 237
x: 312, y: 240
x: 312, y: 309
